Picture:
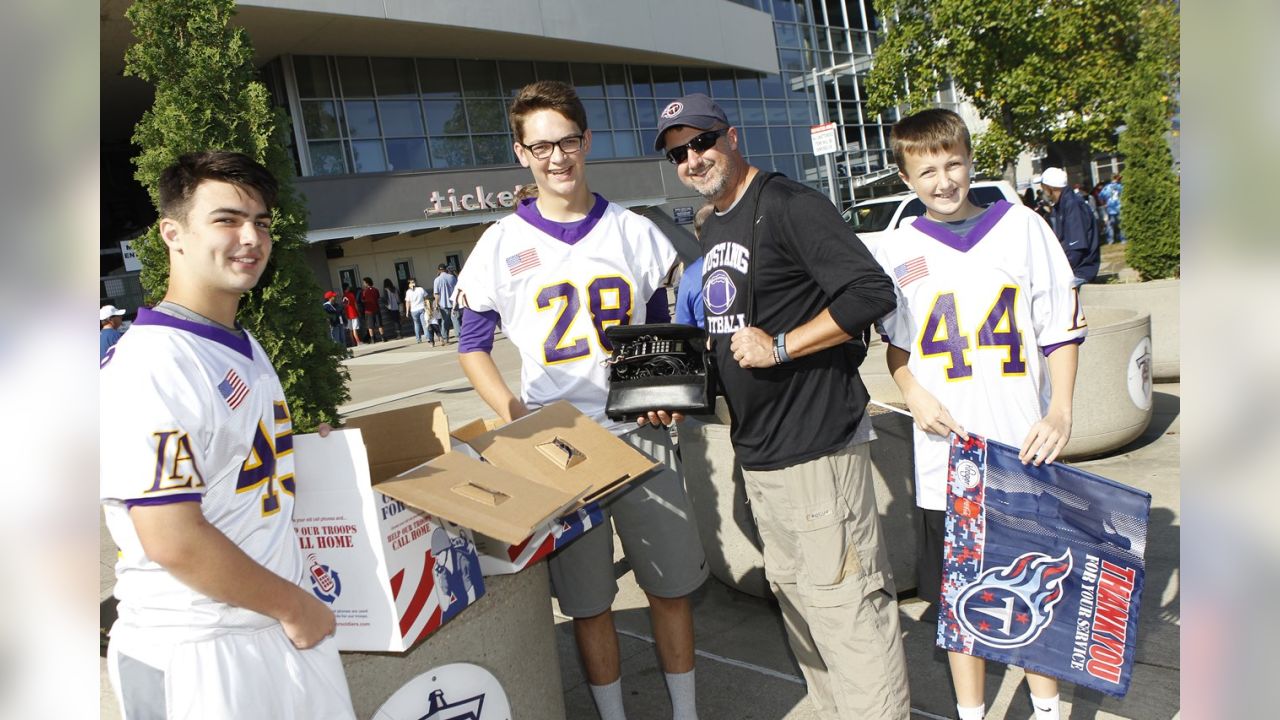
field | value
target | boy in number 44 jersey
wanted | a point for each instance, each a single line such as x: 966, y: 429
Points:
x: 565, y: 266
x: 197, y: 480
x: 986, y: 314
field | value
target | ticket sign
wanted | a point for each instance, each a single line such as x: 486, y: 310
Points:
x: 824, y: 139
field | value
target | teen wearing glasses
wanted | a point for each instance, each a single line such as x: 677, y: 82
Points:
x: 786, y: 287
x: 557, y: 272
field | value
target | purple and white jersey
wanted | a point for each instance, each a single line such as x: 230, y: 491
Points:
x: 191, y: 412
x: 978, y: 313
x: 556, y: 296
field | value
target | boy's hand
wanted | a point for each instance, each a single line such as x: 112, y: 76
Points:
x: 311, y: 622
x: 1046, y: 438
x: 323, y: 429
x: 660, y: 417
x: 930, y: 415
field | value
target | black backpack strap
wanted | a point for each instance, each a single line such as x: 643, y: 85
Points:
x: 751, y: 267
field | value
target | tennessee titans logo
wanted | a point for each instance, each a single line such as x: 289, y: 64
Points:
x: 673, y: 109
x: 718, y: 292
x: 1008, y: 607
x: 325, y: 582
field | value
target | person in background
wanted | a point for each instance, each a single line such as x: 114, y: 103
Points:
x: 371, y: 304
x: 351, y: 307
x: 109, y: 333
x: 689, y: 307
x: 333, y: 314
x: 391, y: 305
x: 444, y: 286
x: 1072, y: 221
x: 415, y: 301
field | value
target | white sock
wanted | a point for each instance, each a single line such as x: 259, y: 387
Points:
x: 971, y: 713
x: 1046, y: 708
x: 609, y: 700
x: 680, y: 687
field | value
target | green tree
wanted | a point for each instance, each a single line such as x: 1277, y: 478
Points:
x: 1041, y: 72
x: 206, y: 98
x: 1150, y: 210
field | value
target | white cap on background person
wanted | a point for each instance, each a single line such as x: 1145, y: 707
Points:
x: 1054, y: 177
x: 109, y: 311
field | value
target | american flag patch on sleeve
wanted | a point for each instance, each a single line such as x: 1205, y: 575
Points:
x: 233, y: 389
x: 523, y: 260
x: 910, y: 271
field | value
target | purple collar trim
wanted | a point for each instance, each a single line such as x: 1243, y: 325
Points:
x: 568, y: 233
x: 208, y: 332
x: 939, y: 232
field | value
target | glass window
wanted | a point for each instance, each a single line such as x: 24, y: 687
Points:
x: 748, y: 86
x: 786, y: 164
x: 799, y: 113
x: 312, y: 75
x: 803, y: 139
x: 445, y: 117
x: 362, y: 118
x: 401, y: 117
x: 448, y: 151
x: 327, y: 159
x: 439, y: 79
x: 554, y: 71
x: 588, y: 80
x: 515, y: 75
x: 646, y: 114
x: 597, y: 114
x: 731, y: 111
x: 835, y: 12
x: 781, y: 139
x: 796, y: 85
x: 601, y: 145
x: 395, y: 77
x: 368, y: 156
x: 791, y: 60
x: 722, y: 83
x: 666, y: 82
x: 787, y: 35
x: 493, y: 149
x: 640, y: 86
x: 785, y: 10
x: 752, y: 112
x: 757, y: 139
x: 615, y: 80
x: 479, y: 78
x: 695, y: 81
x: 320, y: 119
x: 772, y: 85
x: 407, y: 154
x: 626, y: 144
x: 776, y: 111
x: 353, y: 74
x: 487, y: 115
x: 620, y: 114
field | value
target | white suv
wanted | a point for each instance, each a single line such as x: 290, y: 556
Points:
x: 873, y: 219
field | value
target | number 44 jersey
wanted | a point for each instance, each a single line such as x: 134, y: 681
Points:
x: 556, y: 295
x: 193, y: 413
x: 977, y: 313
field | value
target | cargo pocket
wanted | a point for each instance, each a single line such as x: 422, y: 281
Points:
x: 829, y: 571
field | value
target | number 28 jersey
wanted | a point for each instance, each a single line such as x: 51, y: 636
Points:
x: 977, y: 313
x: 556, y: 299
x: 193, y: 413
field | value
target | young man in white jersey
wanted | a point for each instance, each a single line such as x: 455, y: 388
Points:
x: 197, y: 480
x: 565, y: 266
x: 986, y: 315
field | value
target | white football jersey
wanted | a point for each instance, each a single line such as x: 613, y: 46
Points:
x: 556, y: 299
x: 190, y: 411
x: 976, y: 314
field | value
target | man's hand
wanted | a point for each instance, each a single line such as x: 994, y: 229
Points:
x: 660, y: 417
x: 930, y: 415
x: 310, y: 623
x: 752, y: 348
x: 1046, y: 438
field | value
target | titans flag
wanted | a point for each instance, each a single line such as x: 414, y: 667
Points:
x: 1043, y: 566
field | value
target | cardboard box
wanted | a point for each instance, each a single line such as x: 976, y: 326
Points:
x: 533, y: 471
x: 392, y: 574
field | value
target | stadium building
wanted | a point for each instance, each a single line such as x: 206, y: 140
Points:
x: 397, y: 112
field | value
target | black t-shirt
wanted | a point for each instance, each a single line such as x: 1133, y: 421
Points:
x: 808, y: 260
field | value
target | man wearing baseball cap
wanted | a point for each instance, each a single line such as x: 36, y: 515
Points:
x: 109, y: 320
x: 1074, y: 224
x: 789, y: 292
x: 333, y: 314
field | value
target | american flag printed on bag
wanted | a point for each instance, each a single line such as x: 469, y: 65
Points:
x: 1043, y: 566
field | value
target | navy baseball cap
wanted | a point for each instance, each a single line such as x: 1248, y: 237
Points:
x: 695, y: 110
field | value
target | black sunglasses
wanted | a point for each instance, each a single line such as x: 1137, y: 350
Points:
x: 700, y: 143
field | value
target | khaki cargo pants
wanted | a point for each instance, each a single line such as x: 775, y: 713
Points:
x: 825, y: 559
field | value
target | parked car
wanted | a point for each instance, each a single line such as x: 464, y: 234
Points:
x: 873, y: 219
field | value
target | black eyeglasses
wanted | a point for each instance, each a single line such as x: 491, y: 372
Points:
x: 542, y: 150
x: 701, y: 143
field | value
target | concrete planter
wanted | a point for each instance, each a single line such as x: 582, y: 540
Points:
x: 1157, y: 298
x: 510, y: 632
x: 714, y: 482
x: 1112, y: 404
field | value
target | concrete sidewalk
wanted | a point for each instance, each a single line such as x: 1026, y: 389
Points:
x: 745, y: 669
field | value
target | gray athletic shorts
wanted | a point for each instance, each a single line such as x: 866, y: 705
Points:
x: 655, y: 521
